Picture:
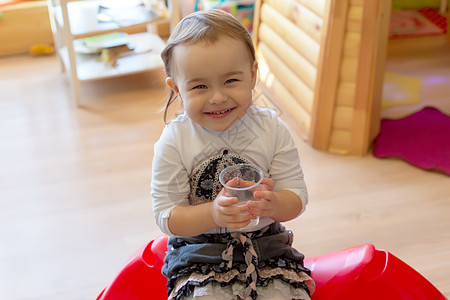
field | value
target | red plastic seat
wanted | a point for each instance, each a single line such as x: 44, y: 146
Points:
x: 141, y: 277
x: 360, y: 272
x: 363, y: 272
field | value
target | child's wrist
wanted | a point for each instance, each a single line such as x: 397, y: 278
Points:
x: 210, y: 214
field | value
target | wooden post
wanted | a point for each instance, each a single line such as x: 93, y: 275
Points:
x: 372, y: 55
x: 375, y: 117
x: 256, y: 21
x: 325, y: 94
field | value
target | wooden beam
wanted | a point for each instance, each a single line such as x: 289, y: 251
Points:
x: 354, y: 20
x: 340, y: 141
x: 349, y: 68
x: 295, y: 61
x: 288, y: 106
x: 346, y: 94
x: 293, y: 84
x: 293, y: 35
x: 369, y: 81
x: 375, y: 111
x: 301, y: 16
x: 256, y: 21
x: 343, y: 117
x: 352, y: 43
x: 328, y: 73
x: 317, y: 6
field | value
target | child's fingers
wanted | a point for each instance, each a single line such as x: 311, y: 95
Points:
x: 226, y: 201
x: 228, y: 205
x: 258, y: 205
x: 269, y: 183
x: 236, y: 210
x: 246, y: 183
x: 238, y: 182
x: 233, y: 182
x: 268, y: 195
x: 262, y: 208
x: 240, y: 221
x: 233, y: 216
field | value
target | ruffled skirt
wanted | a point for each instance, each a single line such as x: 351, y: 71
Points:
x: 237, y: 265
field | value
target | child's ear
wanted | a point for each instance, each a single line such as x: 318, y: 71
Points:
x: 254, y: 72
x: 171, y: 83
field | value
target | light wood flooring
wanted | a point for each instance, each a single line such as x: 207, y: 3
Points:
x: 75, y: 187
x: 426, y: 59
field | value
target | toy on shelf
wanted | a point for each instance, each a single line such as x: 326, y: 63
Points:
x: 243, y: 10
x: 360, y: 272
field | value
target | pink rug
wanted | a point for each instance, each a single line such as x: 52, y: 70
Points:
x: 422, y: 139
x: 410, y: 23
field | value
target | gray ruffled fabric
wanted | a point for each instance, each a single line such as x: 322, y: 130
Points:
x: 270, y: 246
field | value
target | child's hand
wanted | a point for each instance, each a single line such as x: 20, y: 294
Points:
x: 267, y: 205
x: 225, y: 214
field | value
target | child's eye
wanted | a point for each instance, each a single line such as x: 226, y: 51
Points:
x: 200, y: 86
x: 230, y: 81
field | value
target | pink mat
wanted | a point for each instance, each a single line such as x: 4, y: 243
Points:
x: 411, y: 23
x: 422, y: 139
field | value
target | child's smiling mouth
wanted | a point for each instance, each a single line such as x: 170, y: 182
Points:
x: 219, y: 112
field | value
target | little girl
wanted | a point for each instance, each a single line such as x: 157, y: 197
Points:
x: 211, y: 68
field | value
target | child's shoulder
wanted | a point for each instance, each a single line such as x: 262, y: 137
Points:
x: 181, y: 121
x: 263, y: 111
x: 267, y: 118
x: 263, y: 115
x: 177, y: 127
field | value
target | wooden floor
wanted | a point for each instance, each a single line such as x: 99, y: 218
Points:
x: 427, y: 59
x: 75, y: 185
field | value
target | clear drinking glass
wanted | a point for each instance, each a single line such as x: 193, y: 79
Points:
x: 250, y: 178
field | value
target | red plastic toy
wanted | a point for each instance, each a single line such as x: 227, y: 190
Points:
x: 360, y: 272
x: 141, y: 277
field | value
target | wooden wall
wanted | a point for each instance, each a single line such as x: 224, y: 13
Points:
x: 288, y: 35
x: 323, y: 61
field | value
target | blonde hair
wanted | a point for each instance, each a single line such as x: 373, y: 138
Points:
x: 203, y: 26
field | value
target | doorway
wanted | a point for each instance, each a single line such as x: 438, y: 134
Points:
x: 417, y: 70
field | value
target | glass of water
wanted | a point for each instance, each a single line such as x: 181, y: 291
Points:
x: 249, y: 181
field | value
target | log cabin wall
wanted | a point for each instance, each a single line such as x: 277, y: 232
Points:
x: 287, y: 35
x: 323, y: 62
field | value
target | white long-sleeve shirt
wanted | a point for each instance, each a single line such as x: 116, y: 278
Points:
x: 188, y: 159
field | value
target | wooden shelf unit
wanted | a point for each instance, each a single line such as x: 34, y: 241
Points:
x: 73, y: 20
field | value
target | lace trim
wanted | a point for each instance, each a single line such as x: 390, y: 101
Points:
x: 186, y: 285
x: 290, y: 275
x: 238, y: 290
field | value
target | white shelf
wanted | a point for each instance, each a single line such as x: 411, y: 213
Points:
x: 89, y: 68
x: 83, y: 19
x: 73, y: 20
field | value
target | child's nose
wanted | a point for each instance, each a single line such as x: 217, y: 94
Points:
x: 218, y: 97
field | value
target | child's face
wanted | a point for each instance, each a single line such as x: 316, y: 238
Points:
x: 214, y: 81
